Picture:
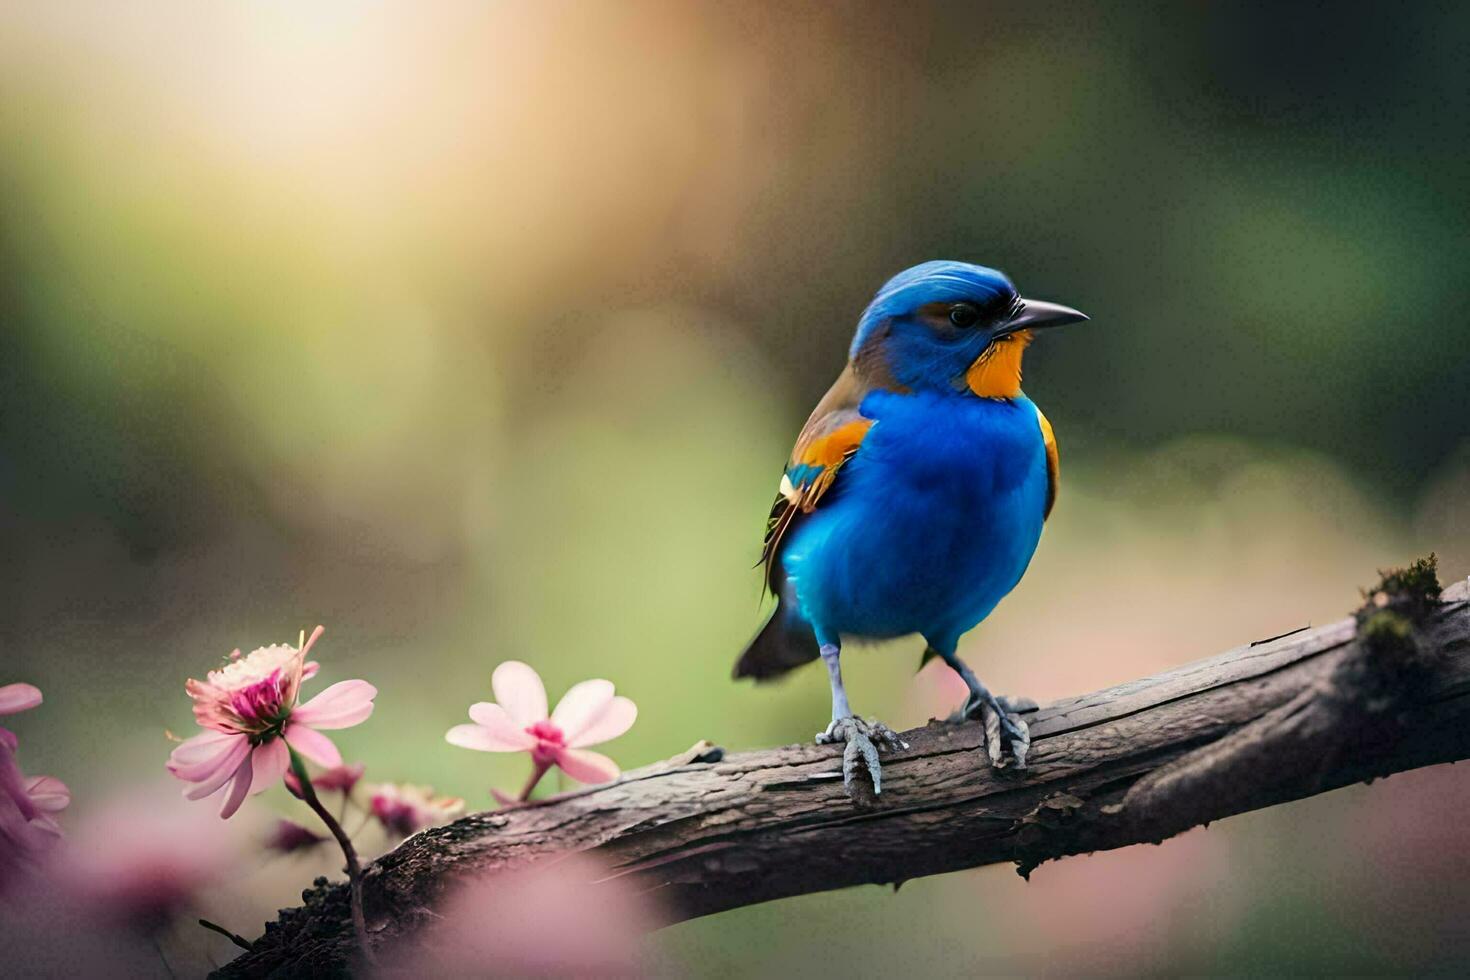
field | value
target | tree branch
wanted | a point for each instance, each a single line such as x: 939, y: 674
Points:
x: 1256, y: 726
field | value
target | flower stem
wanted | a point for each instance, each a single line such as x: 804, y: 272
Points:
x: 354, y: 869
x: 537, y: 772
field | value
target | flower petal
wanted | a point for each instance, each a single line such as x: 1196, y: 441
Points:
x: 615, y: 719
x: 587, y: 767
x: 18, y: 697
x: 313, y: 744
x: 12, y: 784
x: 201, y: 746
x: 501, y: 725
x: 344, y: 704
x: 271, y: 760
x: 519, y: 690
x: 341, y: 778
x: 482, y: 739
x: 201, y: 756
x: 46, y: 825
x: 48, y: 793
x: 580, y: 706
x: 227, y: 768
x: 238, y: 790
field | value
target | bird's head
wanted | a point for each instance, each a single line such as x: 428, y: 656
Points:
x: 953, y: 327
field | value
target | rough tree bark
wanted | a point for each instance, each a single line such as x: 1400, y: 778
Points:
x: 1271, y: 721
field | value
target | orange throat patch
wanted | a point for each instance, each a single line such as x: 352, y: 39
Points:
x: 996, y: 373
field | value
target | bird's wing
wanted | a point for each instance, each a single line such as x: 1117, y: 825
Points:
x: 1053, y: 463
x: 831, y: 436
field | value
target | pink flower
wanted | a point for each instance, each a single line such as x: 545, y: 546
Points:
x: 288, y: 837
x: 44, y: 935
x: 405, y: 809
x: 28, y: 804
x: 141, y: 859
x: 23, y: 840
x: 587, y: 714
x: 571, y: 916
x: 249, y: 708
x: 15, y: 698
x: 338, y: 779
x: 46, y: 796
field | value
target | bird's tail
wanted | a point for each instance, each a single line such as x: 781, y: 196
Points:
x: 785, y: 642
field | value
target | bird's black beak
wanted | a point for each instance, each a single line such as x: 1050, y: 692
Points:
x: 1035, y: 314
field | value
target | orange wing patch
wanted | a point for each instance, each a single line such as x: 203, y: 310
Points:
x: 818, y: 462
x: 1053, y: 463
x: 813, y: 469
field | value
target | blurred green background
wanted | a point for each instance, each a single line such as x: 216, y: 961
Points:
x: 480, y: 331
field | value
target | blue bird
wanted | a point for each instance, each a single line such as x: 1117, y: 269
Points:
x: 915, y: 496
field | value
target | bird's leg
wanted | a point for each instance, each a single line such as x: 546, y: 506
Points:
x: 862, y: 737
x: 832, y: 657
x: 1004, y: 726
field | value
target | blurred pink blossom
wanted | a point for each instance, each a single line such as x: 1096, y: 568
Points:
x: 45, y: 934
x: 517, y: 721
x: 15, y: 698
x: 405, y: 809
x: 288, y: 837
x: 23, y: 842
x: 140, y: 859
x: 253, y: 722
x: 28, y: 804
x: 567, y: 916
x: 1115, y: 913
x: 1403, y: 820
x: 338, y: 779
x: 47, y: 797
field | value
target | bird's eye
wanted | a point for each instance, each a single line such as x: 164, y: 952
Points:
x: 963, y: 315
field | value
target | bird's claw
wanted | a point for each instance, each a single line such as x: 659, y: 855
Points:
x: 863, y: 739
x: 1005, y: 729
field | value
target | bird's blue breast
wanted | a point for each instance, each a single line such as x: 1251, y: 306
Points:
x: 930, y: 524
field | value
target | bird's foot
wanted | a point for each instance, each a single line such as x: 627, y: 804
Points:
x: 1007, y: 736
x: 863, y: 739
